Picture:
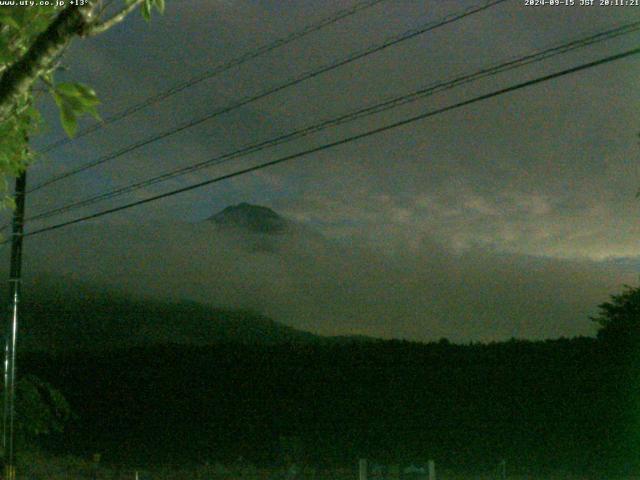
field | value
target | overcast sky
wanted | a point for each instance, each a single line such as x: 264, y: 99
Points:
x: 514, y: 216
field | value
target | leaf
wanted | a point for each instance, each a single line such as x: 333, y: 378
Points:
x: 10, y: 202
x: 22, y: 16
x: 74, y: 100
x: 67, y: 89
x: 68, y: 115
x: 40, y: 19
x: 77, y: 99
x: 69, y: 120
x: 86, y: 95
x: 33, y: 115
x: 10, y: 21
x: 146, y: 10
x: 91, y: 110
x: 160, y: 6
x: 5, y: 56
x: 75, y: 103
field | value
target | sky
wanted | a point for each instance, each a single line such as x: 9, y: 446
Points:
x: 515, y: 216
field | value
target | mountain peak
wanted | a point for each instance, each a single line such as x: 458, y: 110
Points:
x: 255, y: 218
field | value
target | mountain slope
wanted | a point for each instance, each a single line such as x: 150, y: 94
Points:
x: 58, y: 317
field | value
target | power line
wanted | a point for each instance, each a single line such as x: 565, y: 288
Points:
x: 528, y: 59
x: 289, y: 83
x: 350, y: 139
x: 281, y: 42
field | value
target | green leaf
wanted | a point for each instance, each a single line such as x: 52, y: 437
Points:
x: 79, y: 98
x: 10, y: 202
x: 23, y: 17
x: 91, y: 110
x: 5, y: 56
x: 160, y: 6
x: 87, y: 94
x: 146, y: 10
x: 10, y: 21
x: 33, y: 115
x: 67, y: 89
x: 74, y: 100
x: 68, y: 114
x: 69, y: 120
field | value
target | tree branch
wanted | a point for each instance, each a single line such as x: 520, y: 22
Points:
x: 19, y: 77
x: 100, y: 27
x: 49, y: 45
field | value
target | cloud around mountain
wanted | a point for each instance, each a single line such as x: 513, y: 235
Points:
x: 250, y: 257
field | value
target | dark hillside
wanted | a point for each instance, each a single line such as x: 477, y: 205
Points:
x: 88, y: 318
x: 552, y: 404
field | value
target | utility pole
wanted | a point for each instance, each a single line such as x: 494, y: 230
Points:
x: 11, y: 333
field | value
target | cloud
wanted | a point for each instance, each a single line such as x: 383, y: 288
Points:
x: 420, y: 290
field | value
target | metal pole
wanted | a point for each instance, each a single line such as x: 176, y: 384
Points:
x: 15, y: 277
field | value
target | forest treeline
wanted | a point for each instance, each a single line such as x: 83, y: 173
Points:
x: 565, y: 404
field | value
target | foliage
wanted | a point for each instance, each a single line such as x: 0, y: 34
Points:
x: 391, y: 400
x: 148, y: 5
x: 619, y: 337
x: 619, y: 318
x: 18, y: 29
x: 41, y: 410
x: 21, y: 29
x: 73, y: 100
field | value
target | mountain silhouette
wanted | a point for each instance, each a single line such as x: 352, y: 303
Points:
x: 60, y: 315
x: 251, y: 218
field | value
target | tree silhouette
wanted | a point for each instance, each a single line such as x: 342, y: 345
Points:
x: 41, y: 411
x: 620, y: 318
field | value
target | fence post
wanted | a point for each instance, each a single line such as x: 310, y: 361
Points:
x: 362, y: 469
x: 432, y: 470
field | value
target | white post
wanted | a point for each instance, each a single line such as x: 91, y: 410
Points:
x: 362, y: 469
x: 432, y: 470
